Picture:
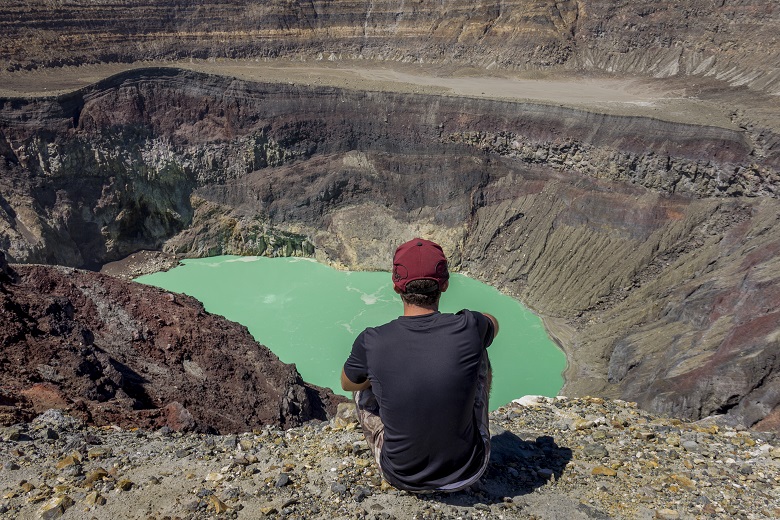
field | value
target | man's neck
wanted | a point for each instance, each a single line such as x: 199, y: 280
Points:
x: 418, y: 310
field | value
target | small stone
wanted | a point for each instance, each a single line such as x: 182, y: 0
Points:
x: 27, y: 486
x: 482, y: 507
x: 709, y: 509
x: 604, y: 471
x: 691, y: 446
x: 338, y: 487
x: 214, y: 477
x: 267, y: 511
x: 346, y: 413
x: 595, y: 451
x: 241, y: 460
x: 582, y: 424
x: 361, y: 494
x: 69, y: 460
x: 180, y: 454
x: 282, y: 480
x: 217, y: 505
x: 55, y: 507
x: 667, y: 514
x: 10, y: 466
x: 13, y: 434
x: 231, y: 493
x: 95, y: 475
x: 99, y: 452
x: 125, y: 484
x: 684, y: 481
x: 746, y: 469
x: 94, y: 499
x: 545, y: 473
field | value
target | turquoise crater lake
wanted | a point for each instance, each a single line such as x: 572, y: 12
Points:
x: 309, y: 314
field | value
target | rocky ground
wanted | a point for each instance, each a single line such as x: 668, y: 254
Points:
x: 140, y: 263
x: 117, y: 352
x: 551, y: 458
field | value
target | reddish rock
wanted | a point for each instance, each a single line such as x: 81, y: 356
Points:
x: 178, y: 418
x: 44, y: 396
x: 116, y: 352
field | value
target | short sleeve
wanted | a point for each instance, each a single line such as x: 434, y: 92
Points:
x: 484, y: 326
x: 356, y: 367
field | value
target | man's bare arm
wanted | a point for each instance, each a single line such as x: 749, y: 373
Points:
x: 495, y: 323
x: 349, y: 386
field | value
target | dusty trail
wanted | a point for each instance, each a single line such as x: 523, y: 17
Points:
x: 636, y: 96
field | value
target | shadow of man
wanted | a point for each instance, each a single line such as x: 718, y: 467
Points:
x: 517, y: 467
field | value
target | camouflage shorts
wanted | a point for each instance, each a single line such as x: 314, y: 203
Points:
x: 374, y: 429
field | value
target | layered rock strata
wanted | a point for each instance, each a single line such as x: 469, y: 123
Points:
x: 116, y: 352
x: 733, y: 41
x: 648, y: 246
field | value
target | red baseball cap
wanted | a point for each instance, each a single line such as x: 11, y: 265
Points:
x: 419, y: 259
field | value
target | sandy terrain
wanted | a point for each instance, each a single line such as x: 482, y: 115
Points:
x: 670, y: 100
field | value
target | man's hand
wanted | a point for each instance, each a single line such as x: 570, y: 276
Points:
x: 494, y: 321
x: 349, y: 386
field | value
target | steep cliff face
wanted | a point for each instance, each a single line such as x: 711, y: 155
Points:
x: 733, y: 41
x: 116, y: 352
x: 654, y: 242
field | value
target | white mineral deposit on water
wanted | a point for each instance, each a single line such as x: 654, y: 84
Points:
x: 309, y: 314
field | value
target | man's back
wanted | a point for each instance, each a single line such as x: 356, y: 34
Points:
x: 424, y: 371
x: 422, y: 382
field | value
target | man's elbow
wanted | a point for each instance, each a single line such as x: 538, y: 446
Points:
x: 494, y: 321
x: 348, y: 386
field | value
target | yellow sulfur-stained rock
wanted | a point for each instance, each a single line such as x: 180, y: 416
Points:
x: 604, y: 471
x: 95, y: 475
x: 55, y: 507
x: 217, y: 505
x: 69, y: 460
x: 94, y: 499
x: 683, y: 481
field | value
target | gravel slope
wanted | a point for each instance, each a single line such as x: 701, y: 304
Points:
x: 552, y: 458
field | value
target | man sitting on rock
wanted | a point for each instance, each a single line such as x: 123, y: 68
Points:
x: 422, y: 381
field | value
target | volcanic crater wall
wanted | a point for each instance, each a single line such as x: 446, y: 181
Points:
x: 648, y: 246
x: 734, y: 41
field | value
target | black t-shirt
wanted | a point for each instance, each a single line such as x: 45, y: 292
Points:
x: 423, y: 371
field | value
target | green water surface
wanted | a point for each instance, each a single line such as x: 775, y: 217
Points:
x: 309, y: 314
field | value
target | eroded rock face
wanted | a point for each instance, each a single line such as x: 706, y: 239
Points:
x: 734, y: 41
x: 646, y: 245
x: 116, y: 352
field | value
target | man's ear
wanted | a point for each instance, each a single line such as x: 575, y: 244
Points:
x: 445, y: 285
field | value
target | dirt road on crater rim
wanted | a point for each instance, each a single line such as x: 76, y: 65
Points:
x: 702, y: 101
